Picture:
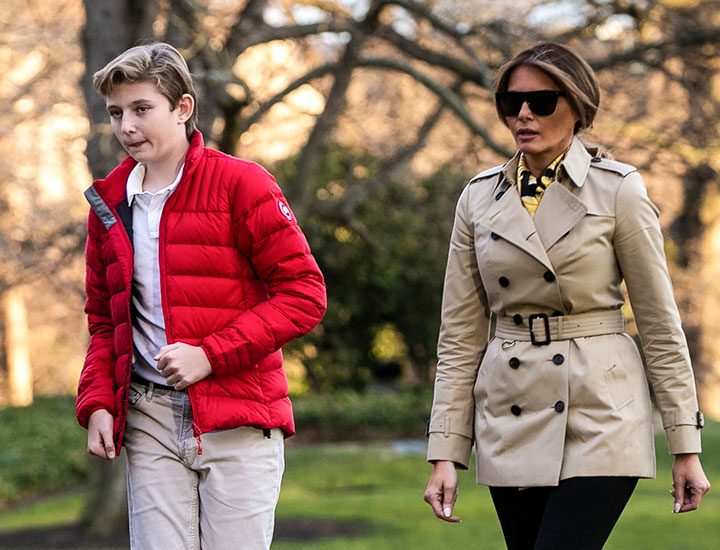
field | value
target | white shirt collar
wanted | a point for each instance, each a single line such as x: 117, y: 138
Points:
x: 135, y: 183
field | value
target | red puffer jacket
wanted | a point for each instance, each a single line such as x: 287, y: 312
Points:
x: 237, y: 279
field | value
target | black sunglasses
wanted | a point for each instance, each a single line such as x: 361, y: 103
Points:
x: 541, y: 102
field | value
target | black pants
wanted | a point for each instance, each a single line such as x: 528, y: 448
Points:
x: 578, y: 514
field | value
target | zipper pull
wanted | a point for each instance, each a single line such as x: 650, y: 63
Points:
x: 196, y: 431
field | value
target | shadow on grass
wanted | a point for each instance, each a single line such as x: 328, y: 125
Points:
x: 72, y: 537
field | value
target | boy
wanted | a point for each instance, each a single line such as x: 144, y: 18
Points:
x: 197, y: 274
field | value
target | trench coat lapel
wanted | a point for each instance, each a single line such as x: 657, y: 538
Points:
x: 508, y: 218
x: 560, y: 210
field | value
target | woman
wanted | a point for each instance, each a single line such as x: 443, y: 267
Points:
x: 557, y: 398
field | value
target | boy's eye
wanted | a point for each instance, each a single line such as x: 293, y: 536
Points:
x: 143, y: 109
x: 115, y: 114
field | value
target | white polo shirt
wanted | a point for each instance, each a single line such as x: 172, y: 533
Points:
x: 148, y: 322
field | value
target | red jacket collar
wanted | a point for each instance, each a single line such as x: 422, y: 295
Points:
x: 113, y: 187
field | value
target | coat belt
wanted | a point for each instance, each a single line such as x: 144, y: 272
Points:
x: 540, y: 329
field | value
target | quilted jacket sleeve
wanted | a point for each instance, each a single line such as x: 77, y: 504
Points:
x: 96, y: 386
x: 267, y: 234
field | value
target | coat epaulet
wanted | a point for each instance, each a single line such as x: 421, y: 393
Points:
x: 487, y: 173
x: 612, y: 166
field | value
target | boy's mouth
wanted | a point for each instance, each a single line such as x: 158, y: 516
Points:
x: 136, y: 144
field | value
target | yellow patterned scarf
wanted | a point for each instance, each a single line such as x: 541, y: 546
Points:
x: 531, y: 190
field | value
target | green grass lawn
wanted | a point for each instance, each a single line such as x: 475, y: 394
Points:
x: 373, y: 484
x: 378, y: 485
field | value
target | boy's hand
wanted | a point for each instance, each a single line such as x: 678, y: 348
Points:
x: 182, y: 364
x: 100, y: 438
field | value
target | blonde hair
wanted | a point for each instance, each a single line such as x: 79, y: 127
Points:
x: 158, y: 63
x: 570, y: 72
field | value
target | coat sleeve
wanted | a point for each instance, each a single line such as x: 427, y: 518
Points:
x: 638, y: 243
x: 96, y: 386
x: 461, y: 345
x: 266, y: 232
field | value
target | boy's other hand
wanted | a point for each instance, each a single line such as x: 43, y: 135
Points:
x: 100, y: 438
x: 182, y: 364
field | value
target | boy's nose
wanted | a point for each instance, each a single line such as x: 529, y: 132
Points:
x: 127, y: 126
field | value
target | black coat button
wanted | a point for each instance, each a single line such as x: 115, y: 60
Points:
x: 494, y: 236
x: 595, y: 159
x: 504, y: 282
x: 559, y: 406
x: 517, y: 319
x: 556, y: 314
x: 558, y: 359
x: 514, y: 362
x: 516, y: 410
x: 548, y: 276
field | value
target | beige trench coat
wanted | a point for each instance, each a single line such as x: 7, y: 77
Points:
x: 577, y: 407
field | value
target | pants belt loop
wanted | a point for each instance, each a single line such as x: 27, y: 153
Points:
x: 151, y: 389
x: 559, y: 324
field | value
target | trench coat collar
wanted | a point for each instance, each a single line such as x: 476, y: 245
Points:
x: 559, y: 211
x: 508, y: 218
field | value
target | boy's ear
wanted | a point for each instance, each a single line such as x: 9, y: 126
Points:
x: 185, y: 107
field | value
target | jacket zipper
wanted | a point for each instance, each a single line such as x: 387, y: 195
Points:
x: 128, y: 285
x: 166, y: 314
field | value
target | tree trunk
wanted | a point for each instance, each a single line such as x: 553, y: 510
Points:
x: 112, y: 26
x: 17, y: 346
x: 105, y: 509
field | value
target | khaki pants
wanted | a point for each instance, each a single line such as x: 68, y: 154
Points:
x: 178, y: 499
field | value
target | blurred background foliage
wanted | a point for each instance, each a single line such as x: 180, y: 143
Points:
x: 372, y: 114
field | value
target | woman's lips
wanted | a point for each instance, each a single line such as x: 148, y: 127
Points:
x: 526, y: 134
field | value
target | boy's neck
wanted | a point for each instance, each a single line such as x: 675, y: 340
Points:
x: 160, y: 175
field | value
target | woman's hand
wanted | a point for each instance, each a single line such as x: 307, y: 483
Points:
x: 689, y: 483
x: 441, y: 492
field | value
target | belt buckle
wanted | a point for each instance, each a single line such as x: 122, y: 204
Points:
x: 535, y: 341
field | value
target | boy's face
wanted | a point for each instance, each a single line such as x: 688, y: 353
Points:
x: 147, y: 125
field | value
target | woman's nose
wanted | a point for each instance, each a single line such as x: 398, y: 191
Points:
x: 525, y: 111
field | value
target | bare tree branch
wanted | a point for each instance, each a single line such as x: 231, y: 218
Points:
x: 699, y: 37
x: 477, y: 74
x: 425, y: 13
x: 443, y: 92
x: 304, y: 179
x: 318, y: 72
x: 362, y: 191
x: 422, y: 11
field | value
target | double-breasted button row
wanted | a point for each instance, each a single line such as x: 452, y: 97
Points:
x: 559, y: 407
x: 504, y: 282
x: 514, y: 362
x: 558, y: 359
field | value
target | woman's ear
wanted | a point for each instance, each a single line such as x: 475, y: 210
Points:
x: 185, y: 108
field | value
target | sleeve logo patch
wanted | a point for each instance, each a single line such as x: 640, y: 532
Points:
x: 284, y: 210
